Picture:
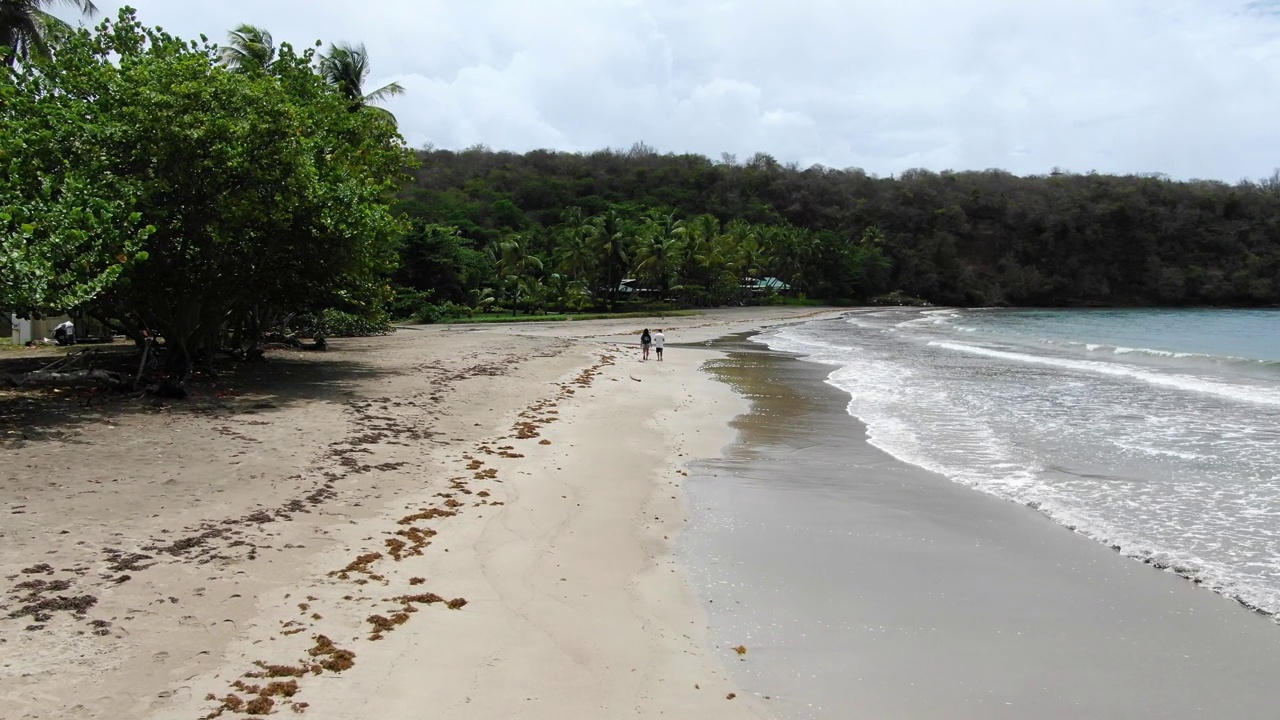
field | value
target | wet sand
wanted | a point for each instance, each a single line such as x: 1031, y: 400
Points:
x: 865, y: 587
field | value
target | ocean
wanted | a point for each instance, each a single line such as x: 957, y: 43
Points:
x: 926, y: 514
x: 1156, y: 432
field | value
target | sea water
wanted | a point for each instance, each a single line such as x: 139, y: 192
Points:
x: 1156, y: 432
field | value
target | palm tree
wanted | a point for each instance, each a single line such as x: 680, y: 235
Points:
x: 696, y: 254
x: 480, y: 299
x: 517, y: 264
x: 613, y: 236
x: 516, y: 258
x: 346, y: 67
x: 577, y: 245
x: 794, y: 253
x: 27, y: 27
x: 249, y: 48
x: 658, y: 251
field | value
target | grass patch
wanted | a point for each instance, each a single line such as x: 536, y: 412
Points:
x: 796, y: 302
x: 562, y: 317
x: 504, y: 318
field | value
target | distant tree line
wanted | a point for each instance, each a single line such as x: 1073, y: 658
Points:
x: 693, y: 229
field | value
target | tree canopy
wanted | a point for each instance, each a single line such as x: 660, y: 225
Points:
x: 955, y: 238
x: 160, y: 189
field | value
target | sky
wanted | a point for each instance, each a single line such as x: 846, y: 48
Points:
x: 1189, y: 88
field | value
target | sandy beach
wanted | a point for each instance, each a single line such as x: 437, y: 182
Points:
x: 474, y: 520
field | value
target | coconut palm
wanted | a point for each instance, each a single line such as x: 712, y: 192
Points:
x: 249, y: 48
x: 577, y: 245
x: 27, y: 28
x: 346, y: 67
x: 794, y: 252
x: 480, y: 299
x: 613, y: 235
x: 658, y: 250
x: 516, y: 258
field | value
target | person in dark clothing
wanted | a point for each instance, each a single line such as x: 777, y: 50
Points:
x: 645, y: 341
x: 65, y: 334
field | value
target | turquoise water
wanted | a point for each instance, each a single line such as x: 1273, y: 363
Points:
x: 1222, y: 334
x: 1156, y: 432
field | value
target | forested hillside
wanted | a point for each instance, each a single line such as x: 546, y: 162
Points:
x: 956, y: 238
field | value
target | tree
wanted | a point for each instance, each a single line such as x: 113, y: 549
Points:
x: 518, y: 268
x: 231, y: 198
x: 576, y: 245
x: 70, y: 224
x: 346, y: 67
x: 435, y: 258
x: 27, y: 28
x: 613, y: 235
x: 249, y: 48
x: 658, y: 251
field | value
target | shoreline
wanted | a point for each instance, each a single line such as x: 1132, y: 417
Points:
x: 862, y: 584
x: 303, y: 537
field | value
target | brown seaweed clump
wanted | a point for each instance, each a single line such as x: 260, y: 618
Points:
x: 276, y: 671
x: 360, y: 565
x: 428, y: 514
x: 382, y: 625
x: 260, y: 705
x: 335, y: 659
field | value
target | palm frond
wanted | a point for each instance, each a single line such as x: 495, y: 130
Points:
x: 385, y: 92
x: 86, y: 7
x: 249, y: 47
x: 27, y: 29
x: 346, y: 67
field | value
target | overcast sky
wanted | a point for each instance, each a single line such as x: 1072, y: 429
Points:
x: 1186, y: 87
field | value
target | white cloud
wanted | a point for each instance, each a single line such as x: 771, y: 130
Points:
x: 1187, y: 87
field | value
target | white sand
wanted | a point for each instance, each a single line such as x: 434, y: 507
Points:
x: 574, y: 605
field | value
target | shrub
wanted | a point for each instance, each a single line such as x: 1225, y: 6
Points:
x: 335, y: 323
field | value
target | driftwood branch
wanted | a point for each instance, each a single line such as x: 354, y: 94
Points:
x: 71, y: 369
x: 74, y: 377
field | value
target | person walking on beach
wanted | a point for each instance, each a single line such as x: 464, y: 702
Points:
x: 658, y: 341
x: 645, y: 340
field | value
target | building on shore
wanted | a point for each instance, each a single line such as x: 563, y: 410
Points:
x: 21, y: 331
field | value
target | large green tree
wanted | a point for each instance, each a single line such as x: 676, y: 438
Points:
x: 70, y: 219
x: 235, y: 197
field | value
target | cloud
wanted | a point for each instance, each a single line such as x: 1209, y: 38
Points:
x: 1186, y: 87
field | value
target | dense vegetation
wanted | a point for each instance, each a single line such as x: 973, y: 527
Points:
x: 173, y: 193
x: 207, y: 195
x: 691, y: 229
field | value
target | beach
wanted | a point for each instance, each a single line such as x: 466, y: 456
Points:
x: 493, y: 521
x: 478, y: 520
